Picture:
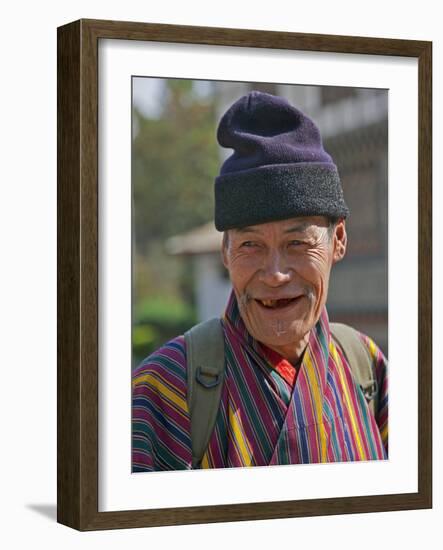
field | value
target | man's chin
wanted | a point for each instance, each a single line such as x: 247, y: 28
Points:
x: 280, y: 333
x: 278, y: 326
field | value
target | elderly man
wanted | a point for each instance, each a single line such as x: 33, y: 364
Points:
x: 288, y: 388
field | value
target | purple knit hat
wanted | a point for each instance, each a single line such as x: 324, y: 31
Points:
x: 278, y: 169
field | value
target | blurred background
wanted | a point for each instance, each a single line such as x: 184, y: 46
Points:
x: 178, y: 277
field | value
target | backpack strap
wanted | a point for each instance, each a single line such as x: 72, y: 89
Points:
x: 359, y: 360
x: 205, y: 357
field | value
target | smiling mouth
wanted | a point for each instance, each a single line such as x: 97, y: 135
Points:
x: 277, y: 304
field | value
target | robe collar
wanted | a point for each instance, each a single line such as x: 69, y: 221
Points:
x: 314, y: 364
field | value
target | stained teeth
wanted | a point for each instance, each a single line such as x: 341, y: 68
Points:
x: 276, y: 303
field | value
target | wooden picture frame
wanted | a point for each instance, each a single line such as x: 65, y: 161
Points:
x: 78, y: 244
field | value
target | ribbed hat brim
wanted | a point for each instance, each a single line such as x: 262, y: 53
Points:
x: 278, y: 192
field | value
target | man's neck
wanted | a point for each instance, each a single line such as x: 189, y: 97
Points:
x: 293, y: 352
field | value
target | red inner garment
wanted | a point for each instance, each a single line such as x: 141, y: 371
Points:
x: 285, y: 369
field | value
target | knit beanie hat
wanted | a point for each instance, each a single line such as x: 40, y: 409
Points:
x: 278, y: 169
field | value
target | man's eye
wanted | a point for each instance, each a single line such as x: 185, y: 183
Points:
x: 248, y: 244
x: 295, y: 243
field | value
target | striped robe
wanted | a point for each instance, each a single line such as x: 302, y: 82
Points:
x: 262, y: 419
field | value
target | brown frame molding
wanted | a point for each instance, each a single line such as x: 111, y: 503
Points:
x: 77, y: 320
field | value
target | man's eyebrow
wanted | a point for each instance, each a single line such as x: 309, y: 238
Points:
x: 297, y: 228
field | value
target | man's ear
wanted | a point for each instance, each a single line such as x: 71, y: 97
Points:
x: 224, y: 250
x: 340, y: 241
x: 223, y: 256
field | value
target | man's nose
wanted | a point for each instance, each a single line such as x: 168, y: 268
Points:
x: 275, y: 271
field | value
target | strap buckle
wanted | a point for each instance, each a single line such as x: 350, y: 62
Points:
x: 201, y: 372
x: 371, y: 390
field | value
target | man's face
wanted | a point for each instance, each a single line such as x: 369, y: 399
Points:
x: 280, y: 275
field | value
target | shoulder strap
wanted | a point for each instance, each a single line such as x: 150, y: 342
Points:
x: 359, y: 360
x: 205, y: 357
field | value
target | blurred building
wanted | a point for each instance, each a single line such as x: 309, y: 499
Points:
x: 212, y: 285
x: 354, y: 127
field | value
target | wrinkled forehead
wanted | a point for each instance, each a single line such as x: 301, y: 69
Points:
x: 293, y: 225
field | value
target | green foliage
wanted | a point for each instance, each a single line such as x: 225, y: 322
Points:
x: 174, y: 163
x: 175, y: 160
x: 163, y: 310
x: 157, y: 320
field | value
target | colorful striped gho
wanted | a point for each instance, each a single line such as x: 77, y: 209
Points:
x: 264, y: 419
